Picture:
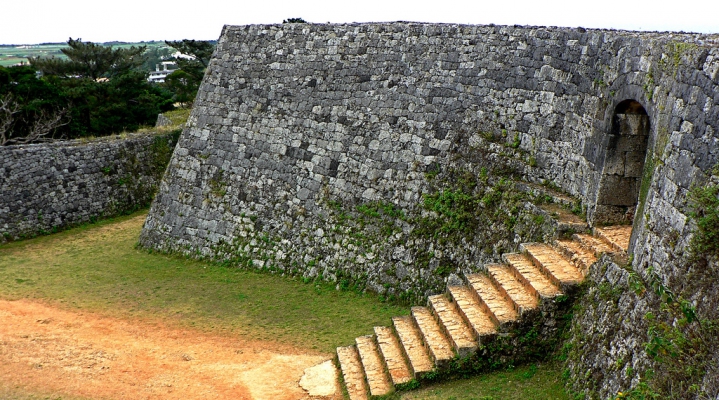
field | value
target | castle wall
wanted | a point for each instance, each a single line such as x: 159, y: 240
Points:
x: 45, y: 187
x: 316, y: 150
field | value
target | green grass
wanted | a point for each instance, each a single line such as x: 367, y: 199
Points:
x: 98, y: 268
x: 529, y: 382
x: 11, y: 55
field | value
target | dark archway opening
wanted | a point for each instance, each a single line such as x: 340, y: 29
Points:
x: 621, y: 177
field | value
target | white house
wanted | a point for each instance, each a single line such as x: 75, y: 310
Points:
x: 159, y: 75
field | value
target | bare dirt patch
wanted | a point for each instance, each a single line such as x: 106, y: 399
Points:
x: 81, y: 354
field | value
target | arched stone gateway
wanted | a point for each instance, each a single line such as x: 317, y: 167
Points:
x: 626, y: 150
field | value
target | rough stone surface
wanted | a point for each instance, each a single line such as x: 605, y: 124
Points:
x: 44, y: 187
x: 373, y: 366
x: 411, y: 341
x: 320, y: 380
x: 392, y: 355
x: 352, y: 372
x: 611, y: 323
x: 296, y: 127
x: 477, y: 318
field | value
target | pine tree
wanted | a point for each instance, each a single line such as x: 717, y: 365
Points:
x: 90, y: 60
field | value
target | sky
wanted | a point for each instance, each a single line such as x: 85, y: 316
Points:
x: 40, y: 21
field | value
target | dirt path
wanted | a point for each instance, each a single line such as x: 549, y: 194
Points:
x: 67, y: 353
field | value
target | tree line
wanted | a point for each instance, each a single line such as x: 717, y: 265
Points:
x: 97, y: 91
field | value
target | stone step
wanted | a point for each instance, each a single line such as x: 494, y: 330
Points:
x: 559, y: 269
x: 478, y: 318
x: 617, y: 236
x: 352, y: 372
x: 414, y: 349
x: 440, y: 350
x: 452, y: 323
x: 391, y: 352
x: 492, y: 299
x: 580, y: 256
x: 374, y: 369
x: 503, y: 279
x: 531, y: 276
x: 539, y: 190
x: 593, y: 244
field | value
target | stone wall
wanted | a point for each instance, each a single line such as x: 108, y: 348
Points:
x: 46, y: 187
x: 633, y: 317
x: 354, y: 152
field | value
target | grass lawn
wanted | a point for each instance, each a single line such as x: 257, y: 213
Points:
x: 97, y: 268
x: 528, y: 382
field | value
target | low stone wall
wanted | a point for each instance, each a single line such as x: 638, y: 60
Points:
x: 46, y: 187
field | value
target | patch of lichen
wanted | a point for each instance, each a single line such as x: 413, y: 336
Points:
x: 653, y: 161
x: 161, y: 151
x: 675, y: 53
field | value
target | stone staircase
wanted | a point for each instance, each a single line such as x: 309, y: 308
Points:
x: 457, y: 323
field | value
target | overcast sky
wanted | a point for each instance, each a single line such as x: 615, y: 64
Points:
x: 37, y: 21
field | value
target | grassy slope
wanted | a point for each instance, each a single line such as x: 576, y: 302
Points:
x: 97, y: 268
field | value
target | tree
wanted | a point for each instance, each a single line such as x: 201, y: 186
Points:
x: 154, y: 56
x: 31, y: 110
x: 44, y: 122
x: 186, y: 80
x: 199, y: 52
x: 69, y: 104
x: 183, y: 85
x: 90, y: 60
x: 123, y: 103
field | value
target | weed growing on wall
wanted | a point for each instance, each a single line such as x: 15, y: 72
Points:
x: 674, y: 53
x: 162, y: 148
x: 704, y: 205
x: 679, y: 342
x: 456, y: 211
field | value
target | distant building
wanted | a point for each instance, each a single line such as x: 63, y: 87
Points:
x: 159, y: 75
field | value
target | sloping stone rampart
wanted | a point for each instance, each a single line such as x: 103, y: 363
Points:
x: 316, y: 150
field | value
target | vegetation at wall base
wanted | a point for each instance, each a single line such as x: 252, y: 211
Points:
x: 679, y: 336
x: 679, y: 343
